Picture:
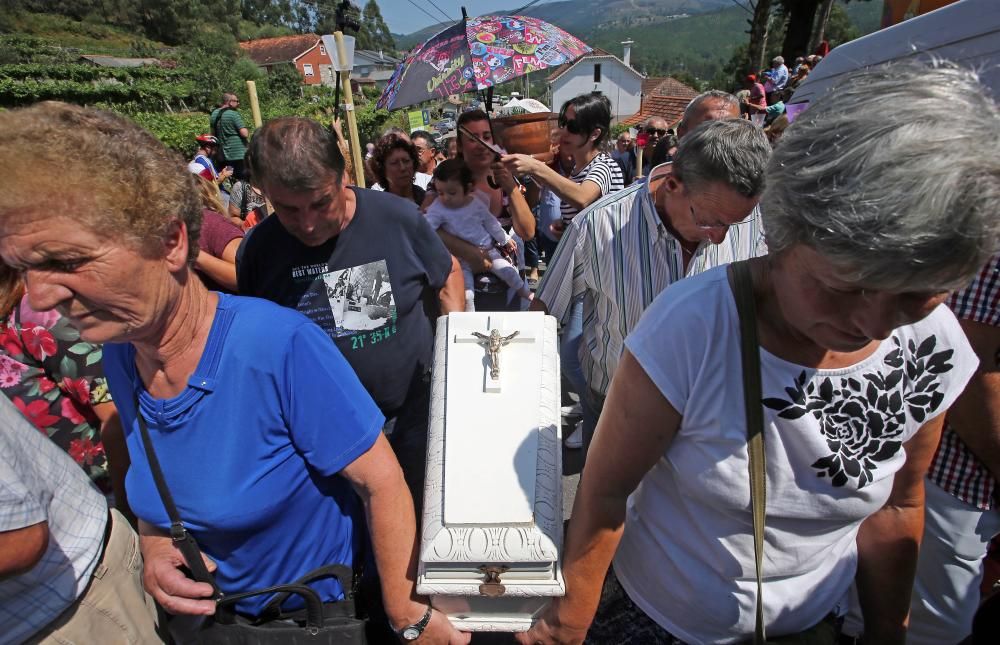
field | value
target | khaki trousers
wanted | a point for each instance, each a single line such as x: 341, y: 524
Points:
x: 114, y: 609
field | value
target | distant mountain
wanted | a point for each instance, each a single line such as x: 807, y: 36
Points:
x: 582, y: 17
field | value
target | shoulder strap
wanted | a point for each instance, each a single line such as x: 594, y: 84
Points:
x: 182, y: 539
x: 243, y: 201
x: 742, y: 285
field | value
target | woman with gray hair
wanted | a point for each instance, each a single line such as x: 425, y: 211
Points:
x: 869, y: 228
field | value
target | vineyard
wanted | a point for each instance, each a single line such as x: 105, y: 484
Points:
x: 172, y: 99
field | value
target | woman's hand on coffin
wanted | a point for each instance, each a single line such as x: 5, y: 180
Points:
x: 549, y: 630
x: 166, y: 582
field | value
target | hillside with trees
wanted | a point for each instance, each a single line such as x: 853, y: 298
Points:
x: 705, y: 42
x: 197, y: 58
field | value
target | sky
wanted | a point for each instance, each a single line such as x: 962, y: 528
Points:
x: 407, y: 16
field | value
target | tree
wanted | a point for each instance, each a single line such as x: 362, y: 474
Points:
x: 799, y: 18
x: 758, y: 34
x: 840, y: 29
x: 819, y: 33
x: 372, y: 21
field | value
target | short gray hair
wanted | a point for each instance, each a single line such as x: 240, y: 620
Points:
x: 733, y: 151
x: 894, y: 177
x: 295, y: 153
x: 692, y: 109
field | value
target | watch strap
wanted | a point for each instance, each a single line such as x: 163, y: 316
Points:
x: 418, y: 626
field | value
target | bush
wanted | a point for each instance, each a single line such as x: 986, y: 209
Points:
x: 176, y: 131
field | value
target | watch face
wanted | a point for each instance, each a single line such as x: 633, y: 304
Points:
x: 411, y: 633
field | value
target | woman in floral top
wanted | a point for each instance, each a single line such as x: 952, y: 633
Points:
x: 56, y: 381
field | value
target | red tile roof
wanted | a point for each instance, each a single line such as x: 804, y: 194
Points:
x: 662, y: 96
x: 283, y: 49
x: 666, y: 86
x: 671, y: 108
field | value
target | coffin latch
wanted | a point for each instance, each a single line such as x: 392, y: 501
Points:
x: 491, y: 584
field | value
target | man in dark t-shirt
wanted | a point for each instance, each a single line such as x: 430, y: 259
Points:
x: 363, y: 265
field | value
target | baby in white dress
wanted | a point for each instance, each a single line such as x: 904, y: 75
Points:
x: 459, y: 212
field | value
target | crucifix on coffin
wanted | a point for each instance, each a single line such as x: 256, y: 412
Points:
x: 494, y: 342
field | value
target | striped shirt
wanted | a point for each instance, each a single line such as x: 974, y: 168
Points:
x: 39, y: 482
x: 603, y: 171
x: 955, y: 469
x: 620, y: 256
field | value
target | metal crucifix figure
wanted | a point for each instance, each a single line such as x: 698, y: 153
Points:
x: 494, y: 342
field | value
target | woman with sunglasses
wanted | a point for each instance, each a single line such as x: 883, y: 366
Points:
x: 584, y: 122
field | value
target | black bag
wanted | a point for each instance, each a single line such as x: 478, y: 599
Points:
x: 318, y: 624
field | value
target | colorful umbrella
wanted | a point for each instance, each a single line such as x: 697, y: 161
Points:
x: 476, y: 54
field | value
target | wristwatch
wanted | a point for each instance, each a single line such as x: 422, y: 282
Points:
x: 414, y: 631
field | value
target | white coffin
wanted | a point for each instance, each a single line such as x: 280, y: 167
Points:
x: 493, y: 493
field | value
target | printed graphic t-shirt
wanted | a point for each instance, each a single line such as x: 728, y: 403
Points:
x: 373, y: 288
x: 833, y: 441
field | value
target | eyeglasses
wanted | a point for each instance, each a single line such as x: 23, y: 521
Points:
x: 656, y: 131
x: 720, y: 225
x: 570, y: 125
x: 422, y: 149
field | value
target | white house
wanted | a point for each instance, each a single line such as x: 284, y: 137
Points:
x: 602, y: 71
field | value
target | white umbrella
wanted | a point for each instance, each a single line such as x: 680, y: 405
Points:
x: 528, y: 105
x: 966, y: 33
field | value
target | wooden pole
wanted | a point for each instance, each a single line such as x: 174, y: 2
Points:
x: 254, y: 105
x: 352, y: 123
x: 257, y: 122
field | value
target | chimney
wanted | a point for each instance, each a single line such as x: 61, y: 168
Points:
x: 627, y: 56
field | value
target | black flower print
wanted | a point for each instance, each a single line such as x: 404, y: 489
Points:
x: 863, y: 419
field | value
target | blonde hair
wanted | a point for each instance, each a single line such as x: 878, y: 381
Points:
x: 211, y: 198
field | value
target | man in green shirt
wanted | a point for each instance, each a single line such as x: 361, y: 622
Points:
x: 227, y: 126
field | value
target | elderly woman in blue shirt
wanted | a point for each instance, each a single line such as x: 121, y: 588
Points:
x: 270, y: 446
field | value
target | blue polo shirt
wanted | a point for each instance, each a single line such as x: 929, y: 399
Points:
x: 251, y: 448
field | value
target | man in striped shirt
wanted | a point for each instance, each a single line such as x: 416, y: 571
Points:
x: 692, y: 215
x: 962, y: 514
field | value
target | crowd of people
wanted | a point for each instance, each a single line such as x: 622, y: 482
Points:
x: 249, y: 367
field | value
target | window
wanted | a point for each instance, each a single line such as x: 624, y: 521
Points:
x: 597, y: 73
x: 307, y: 69
x: 322, y: 50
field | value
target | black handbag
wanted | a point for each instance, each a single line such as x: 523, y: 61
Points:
x: 318, y: 624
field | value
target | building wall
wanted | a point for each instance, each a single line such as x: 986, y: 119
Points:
x: 315, y: 59
x: 622, y: 86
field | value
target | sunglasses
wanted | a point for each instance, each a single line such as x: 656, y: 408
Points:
x: 656, y: 131
x: 570, y: 125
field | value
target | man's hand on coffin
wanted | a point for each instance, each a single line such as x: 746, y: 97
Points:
x: 165, y: 581
x: 548, y: 630
x: 440, y: 631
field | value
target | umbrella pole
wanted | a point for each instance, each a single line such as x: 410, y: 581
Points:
x: 489, y: 106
